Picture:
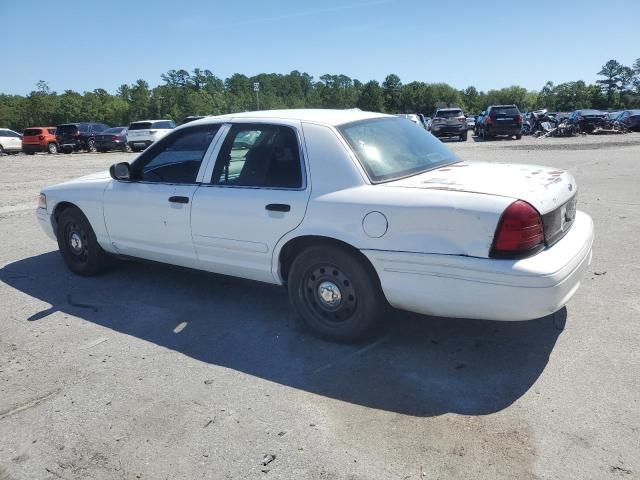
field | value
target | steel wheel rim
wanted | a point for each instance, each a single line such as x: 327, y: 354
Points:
x: 53, y: 148
x: 329, y: 294
x: 76, y: 242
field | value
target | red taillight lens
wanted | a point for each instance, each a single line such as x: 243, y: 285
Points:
x: 41, y: 137
x: 519, y: 232
x: 520, y: 119
x: 489, y: 121
x: 114, y: 137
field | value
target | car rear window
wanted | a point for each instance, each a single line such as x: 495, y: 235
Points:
x: 32, y: 132
x: 114, y: 130
x: 52, y: 131
x: 140, y: 126
x: 66, y: 129
x: 505, y: 111
x: 449, y: 113
x: 392, y: 148
x: 164, y: 124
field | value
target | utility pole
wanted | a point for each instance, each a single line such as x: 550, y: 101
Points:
x: 256, y: 88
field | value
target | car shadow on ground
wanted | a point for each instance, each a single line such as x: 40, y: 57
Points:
x: 416, y: 365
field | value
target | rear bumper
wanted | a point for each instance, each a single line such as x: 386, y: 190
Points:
x: 34, y: 147
x: 498, y: 130
x: 110, y: 145
x: 468, y: 287
x: 448, y: 130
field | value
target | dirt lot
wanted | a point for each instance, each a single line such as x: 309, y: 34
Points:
x: 102, y: 378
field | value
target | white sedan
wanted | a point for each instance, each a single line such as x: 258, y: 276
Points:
x: 352, y: 211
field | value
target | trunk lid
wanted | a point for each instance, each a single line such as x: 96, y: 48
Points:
x: 545, y: 188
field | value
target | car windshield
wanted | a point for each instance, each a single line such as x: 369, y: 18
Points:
x: 392, y: 148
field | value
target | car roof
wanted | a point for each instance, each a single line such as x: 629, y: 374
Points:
x: 322, y: 116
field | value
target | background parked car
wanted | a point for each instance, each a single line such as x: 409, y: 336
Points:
x: 478, y: 119
x: 112, y: 139
x: 587, y: 120
x: 142, y: 134
x: 418, y: 119
x: 630, y: 119
x: 449, y: 122
x: 612, y: 116
x: 191, y: 118
x: 501, y: 120
x: 471, y: 122
x: 10, y: 141
x: 78, y: 136
x: 39, y: 139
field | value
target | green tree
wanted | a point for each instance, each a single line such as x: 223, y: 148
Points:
x: 392, y: 89
x: 613, y: 72
x: 371, y: 98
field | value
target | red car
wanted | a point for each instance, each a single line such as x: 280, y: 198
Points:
x: 39, y: 139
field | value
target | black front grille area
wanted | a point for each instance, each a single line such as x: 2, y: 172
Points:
x: 558, y: 222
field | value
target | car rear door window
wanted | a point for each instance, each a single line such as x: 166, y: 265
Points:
x: 177, y: 157
x: 259, y: 155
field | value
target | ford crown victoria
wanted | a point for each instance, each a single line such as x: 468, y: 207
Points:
x: 351, y: 211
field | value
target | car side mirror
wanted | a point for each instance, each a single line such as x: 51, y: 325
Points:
x: 120, y: 171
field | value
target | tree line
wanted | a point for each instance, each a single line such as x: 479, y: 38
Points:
x: 201, y: 92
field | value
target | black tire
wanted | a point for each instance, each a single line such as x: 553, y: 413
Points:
x: 463, y: 137
x: 30, y: 153
x: 91, y: 145
x: 67, y: 150
x: 78, y: 245
x: 353, y: 285
x: 1, y: 150
x: 518, y: 137
x: 52, y: 148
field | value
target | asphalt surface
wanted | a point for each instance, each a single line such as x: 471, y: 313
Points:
x: 155, y: 372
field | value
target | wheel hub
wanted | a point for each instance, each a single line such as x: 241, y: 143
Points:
x: 76, y: 242
x: 329, y: 294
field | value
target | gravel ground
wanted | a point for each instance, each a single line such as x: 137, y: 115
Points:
x: 157, y: 372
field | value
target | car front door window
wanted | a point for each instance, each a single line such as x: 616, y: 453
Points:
x: 177, y: 158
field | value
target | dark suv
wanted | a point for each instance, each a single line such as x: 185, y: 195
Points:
x: 78, y: 136
x: 501, y: 120
x: 449, y: 122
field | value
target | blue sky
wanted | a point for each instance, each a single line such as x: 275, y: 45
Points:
x: 488, y: 44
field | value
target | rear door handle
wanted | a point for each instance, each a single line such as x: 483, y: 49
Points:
x: 278, y: 207
x: 178, y: 199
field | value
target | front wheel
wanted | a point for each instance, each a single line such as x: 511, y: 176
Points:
x: 52, y: 148
x: 518, y: 137
x: 91, y: 145
x: 78, y: 245
x: 336, y: 294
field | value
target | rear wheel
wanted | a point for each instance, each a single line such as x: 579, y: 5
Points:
x: 336, y: 295
x: 52, y: 148
x: 67, y: 150
x: 91, y: 145
x: 463, y: 137
x: 78, y: 245
x: 518, y: 137
x: 2, y: 152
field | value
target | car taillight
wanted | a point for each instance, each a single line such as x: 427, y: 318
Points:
x: 489, y: 121
x: 519, y: 233
x: 41, y: 137
x: 114, y: 137
x: 520, y: 119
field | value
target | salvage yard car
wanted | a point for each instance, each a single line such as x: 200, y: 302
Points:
x: 352, y: 211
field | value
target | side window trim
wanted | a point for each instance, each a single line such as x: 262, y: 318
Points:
x: 208, y: 176
x: 205, y: 158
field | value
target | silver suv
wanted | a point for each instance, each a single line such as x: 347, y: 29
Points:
x: 449, y: 122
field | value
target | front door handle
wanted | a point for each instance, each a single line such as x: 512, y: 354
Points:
x: 179, y: 199
x: 278, y: 207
